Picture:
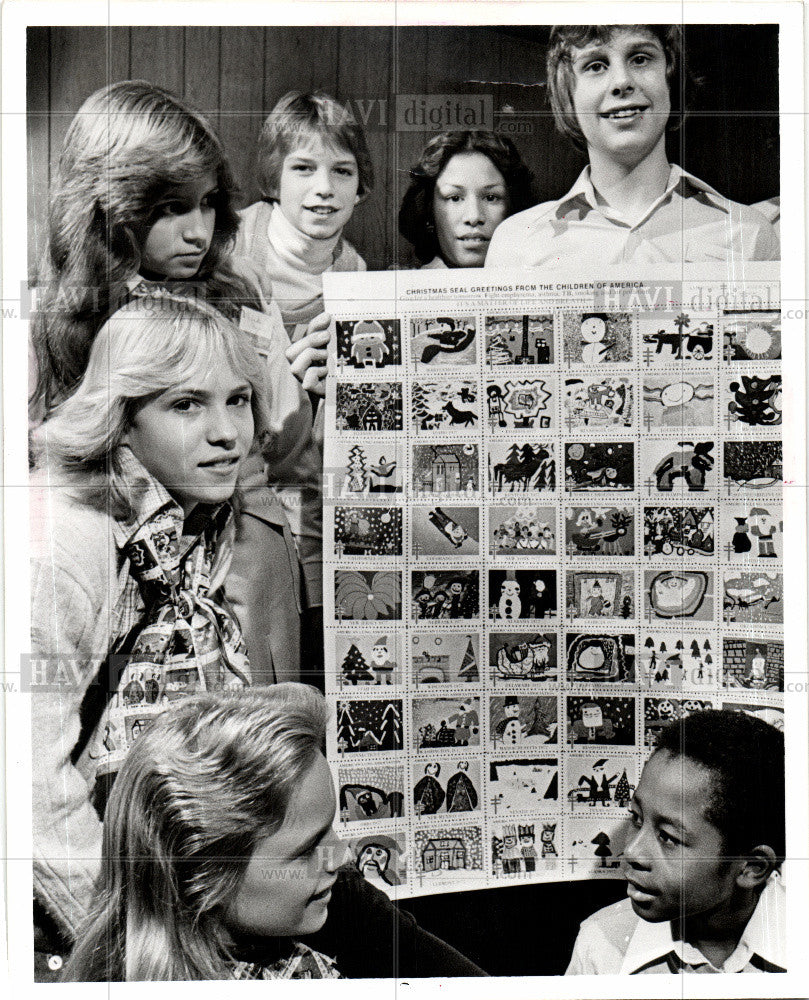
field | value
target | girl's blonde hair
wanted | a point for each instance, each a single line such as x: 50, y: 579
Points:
x: 145, y: 348
x: 129, y: 144
x: 199, y: 790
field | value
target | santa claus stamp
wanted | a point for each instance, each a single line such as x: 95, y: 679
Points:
x: 368, y: 344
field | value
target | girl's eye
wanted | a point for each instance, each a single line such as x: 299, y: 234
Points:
x: 668, y: 839
x: 595, y: 67
x: 641, y: 59
x: 452, y: 197
x: 494, y: 197
x: 184, y: 405
x: 635, y: 820
x: 172, y: 208
x: 241, y: 399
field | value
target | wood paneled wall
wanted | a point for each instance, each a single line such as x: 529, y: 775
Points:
x: 235, y: 75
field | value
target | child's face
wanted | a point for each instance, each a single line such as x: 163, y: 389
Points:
x: 318, y: 188
x: 621, y: 95
x: 181, y: 234
x: 469, y: 203
x: 675, y: 859
x: 193, y: 438
x: 287, y: 884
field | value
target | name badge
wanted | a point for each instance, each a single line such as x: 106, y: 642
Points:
x: 263, y: 331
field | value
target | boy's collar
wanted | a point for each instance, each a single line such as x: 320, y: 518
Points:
x: 583, y: 191
x: 763, y: 937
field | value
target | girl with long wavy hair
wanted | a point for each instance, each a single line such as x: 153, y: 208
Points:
x: 144, y: 198
x: 133, y: 154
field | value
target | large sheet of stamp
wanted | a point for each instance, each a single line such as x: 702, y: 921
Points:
x: 555, y: 524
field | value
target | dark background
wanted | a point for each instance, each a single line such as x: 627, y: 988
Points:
x: 521, y: 930
x: 235, y: 75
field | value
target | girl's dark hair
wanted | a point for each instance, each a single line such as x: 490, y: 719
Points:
x: 128, y: 146
x: 416, y: 221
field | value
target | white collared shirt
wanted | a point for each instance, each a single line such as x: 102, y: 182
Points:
x: 615, y: 941
x: 689, y: 222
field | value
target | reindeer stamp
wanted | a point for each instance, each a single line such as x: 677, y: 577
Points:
x: 445, y: 406
x: 515, y: 468
x: 523, y: 656
x: 599, y: 531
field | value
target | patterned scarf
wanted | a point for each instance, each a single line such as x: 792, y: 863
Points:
x: 185, y: 643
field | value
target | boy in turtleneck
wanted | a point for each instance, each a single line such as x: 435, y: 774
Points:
x: 314, y: 168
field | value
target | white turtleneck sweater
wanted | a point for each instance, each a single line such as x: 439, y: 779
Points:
x: 293, y: 262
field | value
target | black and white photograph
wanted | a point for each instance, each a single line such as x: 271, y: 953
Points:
x: 311, y: 332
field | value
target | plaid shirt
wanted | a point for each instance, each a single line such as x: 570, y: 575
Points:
x: 303, y: 963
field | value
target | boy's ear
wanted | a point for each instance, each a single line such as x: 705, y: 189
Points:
x: 757, y: 867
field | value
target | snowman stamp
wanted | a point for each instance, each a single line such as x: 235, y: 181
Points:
x: 595, y: 338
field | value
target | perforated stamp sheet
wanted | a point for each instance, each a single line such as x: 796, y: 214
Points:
x: 556, y: 526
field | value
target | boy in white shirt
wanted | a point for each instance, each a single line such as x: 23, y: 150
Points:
x: 611, y: 89
x: 704, y: 893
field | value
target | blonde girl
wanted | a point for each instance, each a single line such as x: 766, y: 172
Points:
x: 219, y: 857
x: 144, y: 196
x: 131, y: 537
